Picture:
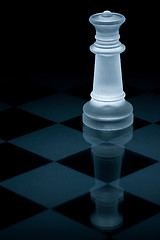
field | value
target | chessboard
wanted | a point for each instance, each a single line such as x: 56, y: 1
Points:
x: 60, y: 181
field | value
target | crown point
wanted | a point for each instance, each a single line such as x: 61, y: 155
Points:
x: 107, y: 14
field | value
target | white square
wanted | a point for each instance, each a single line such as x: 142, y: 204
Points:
x: 146, y: 141
x: 1, y: 141
x: 4, y: 106
x: 144, y: 183
x: 148, y: 229
x: 55, y: 142
x: 50, y: 185
x: 50, y: 225
x: 57, y: 107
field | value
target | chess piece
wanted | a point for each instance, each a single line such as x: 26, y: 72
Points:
x: 107, y: 109
x: 108, y: 150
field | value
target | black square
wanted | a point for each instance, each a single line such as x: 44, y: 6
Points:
x: 157, y: 91
x: 16, y: 122
x: 107, y: 169
x: 15, y: 208
x: 15, y: 160
x: 85, y: 90
x: 82, y: 162
x: 131, y: 91
x: 82, y: 91
x: 133, y: 162
x: 19, y: 91
x: 131, y: 209
x: 75, y: 123
x: 139, y: 123
x: 158, y: 122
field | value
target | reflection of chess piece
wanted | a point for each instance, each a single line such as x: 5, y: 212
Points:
x: 107, y: 149
x: 106, y: 216
x: 107, y: 109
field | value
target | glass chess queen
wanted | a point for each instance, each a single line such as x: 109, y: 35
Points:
x: 107, y: 109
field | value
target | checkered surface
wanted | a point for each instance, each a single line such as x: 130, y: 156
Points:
x: 59, y: 180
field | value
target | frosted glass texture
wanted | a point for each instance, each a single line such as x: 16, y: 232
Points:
x: 107, y: 109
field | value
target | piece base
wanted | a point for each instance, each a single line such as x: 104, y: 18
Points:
x: 108, y: 115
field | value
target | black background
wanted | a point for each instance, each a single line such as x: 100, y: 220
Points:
x: 55, y: 37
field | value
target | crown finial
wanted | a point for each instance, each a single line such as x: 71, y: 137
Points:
x: 107, y: 14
